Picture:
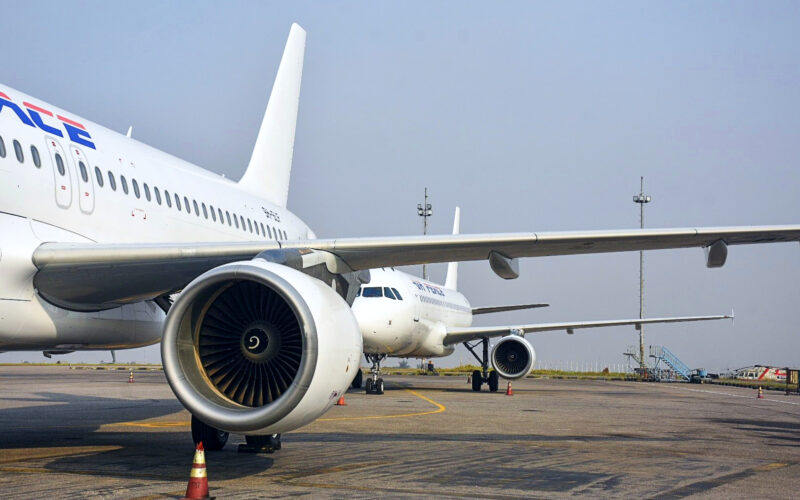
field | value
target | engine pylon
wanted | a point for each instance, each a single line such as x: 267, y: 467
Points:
x: 197, y: 489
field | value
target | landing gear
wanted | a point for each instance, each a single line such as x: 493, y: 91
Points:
x: 482, y: 376
x: 261, y: 444
x: 374, y: 384
x: 358, y: 380
x: 213, y: 439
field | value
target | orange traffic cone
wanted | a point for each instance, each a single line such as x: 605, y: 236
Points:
x: 198, y: 479
x: 130, y: 377
x: 509, y: 392
x: 760, y: 392
x: 341, y: 401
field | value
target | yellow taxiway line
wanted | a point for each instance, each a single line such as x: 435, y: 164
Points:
x: 439, y: 409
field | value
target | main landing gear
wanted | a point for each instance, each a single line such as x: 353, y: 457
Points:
x: 482, y: 376
x: 214, y: 439
x: 374, y: 384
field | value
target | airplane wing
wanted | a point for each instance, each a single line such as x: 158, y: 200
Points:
x: 458, y: 335
x: 497, y: 309
x: 113, y: 274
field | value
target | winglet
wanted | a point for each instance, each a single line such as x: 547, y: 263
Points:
x: 270, y: 166
x: 130, y: 132
x: 451, y: 281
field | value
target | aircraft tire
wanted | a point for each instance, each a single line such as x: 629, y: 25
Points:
x: 358, y: 381
x: 368, y: 386
x: 213, y: 439
x: 494, y: 381
x: 379, y: 386
x: 477, y: 381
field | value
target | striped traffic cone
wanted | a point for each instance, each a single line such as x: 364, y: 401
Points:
x: 760, y: 392
x: 198, y: 479
x: 130, y: 378
x: 509, y: 392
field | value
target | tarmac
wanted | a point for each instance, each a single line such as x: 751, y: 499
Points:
x: 90, y: 434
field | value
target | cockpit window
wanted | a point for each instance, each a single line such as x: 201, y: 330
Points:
x: 397, y: 294
x: 358, y: 293
x: 387, y: 292
x: 373, y: 291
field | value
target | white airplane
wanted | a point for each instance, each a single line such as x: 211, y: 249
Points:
x: 98, y: 230
x: 401, y: 315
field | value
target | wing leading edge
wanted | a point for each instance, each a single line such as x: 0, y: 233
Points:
x: 101, y: 269
x: 458, y: 335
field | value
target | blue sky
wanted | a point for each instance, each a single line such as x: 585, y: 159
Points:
x: 531, y: 116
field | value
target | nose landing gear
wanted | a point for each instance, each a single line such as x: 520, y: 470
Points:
x: 374, y: 384
x: 483, y: 376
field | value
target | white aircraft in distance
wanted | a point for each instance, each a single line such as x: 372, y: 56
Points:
x: 98, y: 230
x: 401, y: 315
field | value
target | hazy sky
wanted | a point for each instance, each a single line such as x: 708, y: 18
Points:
x: 531, y: 116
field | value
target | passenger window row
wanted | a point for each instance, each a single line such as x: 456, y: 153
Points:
x: 237, y: 221
x: 20, y: 153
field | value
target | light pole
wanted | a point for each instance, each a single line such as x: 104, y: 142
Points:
x: 641, y: 199
x: 424, y: 210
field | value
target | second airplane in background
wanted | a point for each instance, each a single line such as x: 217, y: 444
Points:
x: 401, y: 315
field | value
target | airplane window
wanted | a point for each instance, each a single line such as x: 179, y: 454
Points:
x: 2, y: 148
x: 213, y: 213
x: 228, y: 216
x: 177, y: 202
x: 35, y: 154
x: 241, y: 218
x: 285, y: 236
x: 84, y: 173
x: 136, y: 188
x: 373, y: 291
x: 387, y: 292
x: 236, y: 221
x: 99, y: 175
x: 221, y: 219
x: 196, y: 209
x: 124, y: 182
x: 167, y: 198
x: 60, y: 165
x: 397, y: 294
x: 111, y: 181
x: 269, y: 231
x: 250, y: 225
x: 255, y: 225
x: 263, y: 233
x: 158, y: 195
x: 146, y: 191
x: 205, y: 212
x: 18, y: 150
x: 186, y: 204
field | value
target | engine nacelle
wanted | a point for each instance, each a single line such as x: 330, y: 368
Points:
x: 257, y: 347
x: 513, y: 357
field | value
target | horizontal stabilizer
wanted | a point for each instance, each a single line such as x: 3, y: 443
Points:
x: 497, y: 309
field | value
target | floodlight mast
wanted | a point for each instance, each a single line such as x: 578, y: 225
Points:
x: 641, y: 199
x: 424, y: 210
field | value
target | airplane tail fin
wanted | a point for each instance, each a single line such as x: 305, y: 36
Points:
x: 452, y: 268
x: 270, y: 166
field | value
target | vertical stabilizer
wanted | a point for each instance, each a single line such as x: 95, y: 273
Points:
x: 452, y: 268
x: 270, y: 166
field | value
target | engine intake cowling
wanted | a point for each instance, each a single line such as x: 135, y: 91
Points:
x: 513, y: 357
x: 257, y: 347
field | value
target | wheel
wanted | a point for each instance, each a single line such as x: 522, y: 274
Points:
x: 261, y: 444
x: 379, y: 386
x: 368, y: 386
x: 213, y: 439
x: 477, y: 381
x: 358, y: 380
x: 494, y: 381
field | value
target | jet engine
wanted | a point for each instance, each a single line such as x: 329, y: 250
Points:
x: 513, y: 357
x: 257, y: 347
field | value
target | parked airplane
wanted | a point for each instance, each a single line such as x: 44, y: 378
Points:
x: 98, y: 230
x: 419, y: 318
